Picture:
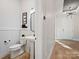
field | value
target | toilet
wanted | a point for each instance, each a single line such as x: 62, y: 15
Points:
x: 16, y: 50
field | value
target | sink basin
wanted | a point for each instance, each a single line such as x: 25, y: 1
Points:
x: 31, y: 38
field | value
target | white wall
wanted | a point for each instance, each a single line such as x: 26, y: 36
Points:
x: 10, y: 13
x: 63, y: 26
x: 10, y: 18
x: 48, y: 28
x: 50, y: 8
x: 67, y: 27
x: 39, y: 30
x: 76, y: 26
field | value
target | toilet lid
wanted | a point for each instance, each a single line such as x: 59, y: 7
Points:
x: 15, y: 46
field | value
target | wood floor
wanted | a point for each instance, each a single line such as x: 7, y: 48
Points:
x: 25, y: 55
x: 70, y: 51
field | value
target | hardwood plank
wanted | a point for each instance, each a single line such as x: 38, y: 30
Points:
x: 25, y: 55
x: 61, y: 52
